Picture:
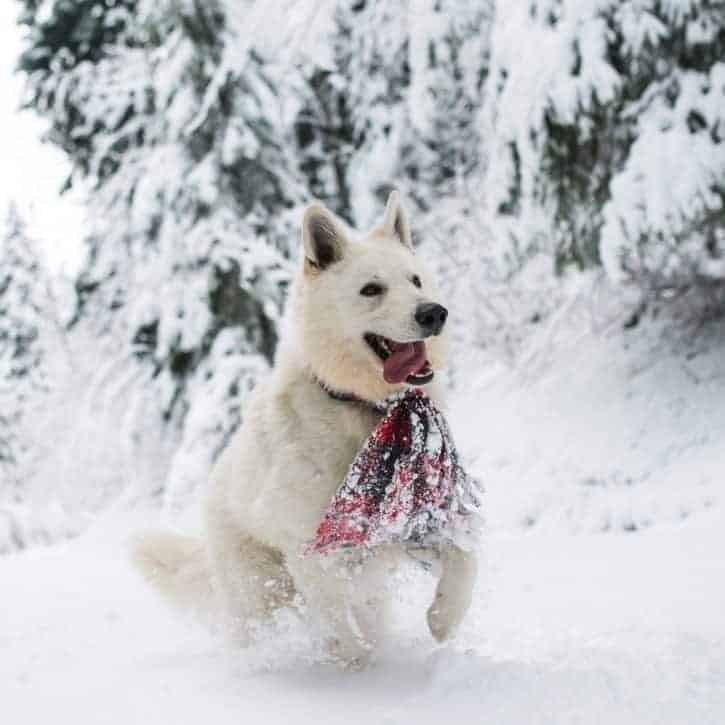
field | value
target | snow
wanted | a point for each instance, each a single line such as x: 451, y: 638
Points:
x: 601, y: 598
x: 600, y: 449
x: 592, y: 628
x: 614, y: 431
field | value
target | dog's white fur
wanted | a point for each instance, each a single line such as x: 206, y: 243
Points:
x: 270, y: 488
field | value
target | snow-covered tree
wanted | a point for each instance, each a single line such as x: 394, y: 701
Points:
x: 29, y: 338
x: 174, y: 120
x: 350, y: 124
x: 395, y: 102
x: 664, y: 221
x: 61, y: 36
x: 46, y: 426
x: 607, y: 119
x: 23, y: 304
x: 449, y: 59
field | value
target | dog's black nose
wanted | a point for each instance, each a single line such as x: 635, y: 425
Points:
x: 431, y: 317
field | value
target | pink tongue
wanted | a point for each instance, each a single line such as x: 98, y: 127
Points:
x: 406, y: 359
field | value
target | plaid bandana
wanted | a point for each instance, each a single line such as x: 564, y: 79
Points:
x: 404, y: 486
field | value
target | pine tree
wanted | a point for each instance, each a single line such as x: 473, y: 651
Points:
x: 62, y: 36
x: 348, y: 130
x: 449, y: 58
x: 22, y: 373
x: 194, y: 196
x: 663, y: 225
x: 604, y: 107
x: 33, y: 421
x: 396, y: 103
x: 548, y: 173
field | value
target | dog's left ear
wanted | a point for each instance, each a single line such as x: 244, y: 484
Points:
x: 395, y: 221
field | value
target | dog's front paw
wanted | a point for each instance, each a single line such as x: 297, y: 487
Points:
x: 453, y: 593
x: 442, y: 622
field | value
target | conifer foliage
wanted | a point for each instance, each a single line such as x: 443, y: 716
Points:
x: 613, y: 148
x: 398, y: 105
x: 172, y: 118
x: 23, y: 306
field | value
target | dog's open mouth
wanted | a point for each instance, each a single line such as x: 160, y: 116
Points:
x: 402, y: 361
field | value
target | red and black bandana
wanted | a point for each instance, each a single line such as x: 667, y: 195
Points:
x: 405, y: 485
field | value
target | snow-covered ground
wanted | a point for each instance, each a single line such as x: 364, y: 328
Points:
x: 602, y: 599
x: 591, y: 628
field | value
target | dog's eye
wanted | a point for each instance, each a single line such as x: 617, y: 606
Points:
x: 371, y: 289
x: 415, y: 279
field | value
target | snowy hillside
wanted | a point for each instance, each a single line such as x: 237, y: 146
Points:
x: 602, y: 598
x: 610, y: 431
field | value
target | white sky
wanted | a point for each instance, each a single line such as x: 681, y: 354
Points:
x: 31, y: 173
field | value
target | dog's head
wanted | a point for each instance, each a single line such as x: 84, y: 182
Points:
x: 367, y: 314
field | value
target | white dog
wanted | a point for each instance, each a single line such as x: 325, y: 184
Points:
x: 363, y: 322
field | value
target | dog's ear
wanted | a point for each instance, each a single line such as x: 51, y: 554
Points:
x: 395, y: 221
x: 323, y: 239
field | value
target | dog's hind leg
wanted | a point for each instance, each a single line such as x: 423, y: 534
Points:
x: 249, y: 577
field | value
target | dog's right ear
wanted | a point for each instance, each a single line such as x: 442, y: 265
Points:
x: 323, y: 239
x: 395, y: 221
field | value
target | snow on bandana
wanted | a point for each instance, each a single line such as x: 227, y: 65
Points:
x: 404, y: 486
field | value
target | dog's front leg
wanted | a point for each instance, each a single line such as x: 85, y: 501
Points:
x: 329, y: 588
x: 453, y: 593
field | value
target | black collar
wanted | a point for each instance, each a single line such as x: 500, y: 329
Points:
x: 343, y: 397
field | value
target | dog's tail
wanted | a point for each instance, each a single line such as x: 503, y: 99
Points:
x: 177, y: 567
